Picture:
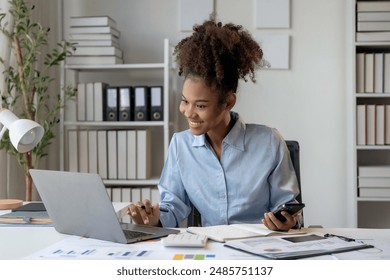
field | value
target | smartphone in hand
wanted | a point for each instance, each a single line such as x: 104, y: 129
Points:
x: 290, y: 208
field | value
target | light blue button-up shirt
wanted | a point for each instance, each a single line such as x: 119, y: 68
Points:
x: 254, y: 175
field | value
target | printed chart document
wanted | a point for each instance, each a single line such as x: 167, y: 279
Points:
x: 295, y: 246
x: 223, y: 233
x: 79, y: 248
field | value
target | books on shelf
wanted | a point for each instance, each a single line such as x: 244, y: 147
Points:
x: 371, y: 72
x: 89, y: 101
x: 102, y: 156
x: 122, y: 154
x: 373, y: 25
x: 113, y: 154
x: 97, y: 50
x: 373, y: 6
x: 98, y: 91
x: 361, y: 127
x: 223, y: 233
x: 360, y: 71
x: 372, y: 21
x: 96, y: 41
x: 387, y: 124
x: 374, y: 171
x: 131, y: 154
x: 373, y: 16
x: 374, y: 192
x: 144, y: 154
x: 73, y: 162
x: 82, y: 143
x: 380, y: 124
x: 81, y: 99
x: 100, y: 20
x: 378, y: 70
x: 94, y: 59
x: 92, y: 151
x: 94, y: 30
x: 374, y: 181
x: 386, y: 72
x: 93, y: 36
x: 373, y: 124
x: 373, y: 36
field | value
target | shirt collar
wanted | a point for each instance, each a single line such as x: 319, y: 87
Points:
x: 234, y: 138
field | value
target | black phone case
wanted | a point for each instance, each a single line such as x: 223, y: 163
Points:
x: 290, y: 208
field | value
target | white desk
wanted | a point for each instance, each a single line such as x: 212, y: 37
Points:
x: 19, y: 242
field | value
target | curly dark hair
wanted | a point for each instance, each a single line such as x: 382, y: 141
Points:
x: 220, y: 55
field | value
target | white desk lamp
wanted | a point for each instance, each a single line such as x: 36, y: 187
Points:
x: 24, y: 134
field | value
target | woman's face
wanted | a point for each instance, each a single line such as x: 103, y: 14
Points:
x: 201, y: 108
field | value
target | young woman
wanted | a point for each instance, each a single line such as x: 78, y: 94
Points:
x: 232, y: 172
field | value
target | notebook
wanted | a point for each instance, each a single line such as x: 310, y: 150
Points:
x: 78, y: 204
x: 31, y: 207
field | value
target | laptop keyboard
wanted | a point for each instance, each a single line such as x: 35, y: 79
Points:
x: 134, y: 234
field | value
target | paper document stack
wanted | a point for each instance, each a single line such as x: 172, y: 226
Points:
x: 223, y: 233
x: 295, y: 246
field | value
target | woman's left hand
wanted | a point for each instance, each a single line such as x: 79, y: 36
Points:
x: 273, y: 223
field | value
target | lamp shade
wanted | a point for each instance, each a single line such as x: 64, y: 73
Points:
x: 24, y: 134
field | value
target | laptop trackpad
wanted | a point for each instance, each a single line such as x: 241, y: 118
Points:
x: 140, y: 228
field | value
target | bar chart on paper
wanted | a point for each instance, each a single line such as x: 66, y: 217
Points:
x: 197, y: 257
x: 91, y: 251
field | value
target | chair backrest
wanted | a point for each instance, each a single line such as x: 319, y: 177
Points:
x: 293, y: 148
x: 195, y: 220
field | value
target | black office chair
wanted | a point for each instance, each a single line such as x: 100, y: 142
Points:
x: 293, y: 147
x: 195, y: 220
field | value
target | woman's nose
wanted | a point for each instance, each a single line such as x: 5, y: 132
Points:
x: 188, y: 111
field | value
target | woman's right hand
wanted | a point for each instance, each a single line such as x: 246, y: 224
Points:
x: 144, y: 213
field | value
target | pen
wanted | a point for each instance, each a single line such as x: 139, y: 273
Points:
x: 329, y: 235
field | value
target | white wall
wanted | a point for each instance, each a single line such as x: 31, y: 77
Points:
x: 306, y: 102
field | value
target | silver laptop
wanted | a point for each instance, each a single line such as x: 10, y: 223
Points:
x: 78, y: 204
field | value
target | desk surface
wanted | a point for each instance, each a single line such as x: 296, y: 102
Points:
x: 24, y: 242
x: 39, y: 242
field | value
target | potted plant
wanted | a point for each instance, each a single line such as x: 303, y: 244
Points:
x: 27, y: 83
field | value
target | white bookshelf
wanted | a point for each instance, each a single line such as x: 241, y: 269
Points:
x: 161, y: 130
x: 366, y: 211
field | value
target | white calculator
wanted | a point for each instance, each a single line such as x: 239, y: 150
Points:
x: 184, y: 239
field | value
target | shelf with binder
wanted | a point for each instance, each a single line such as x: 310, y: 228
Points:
x: 370, y: 103
x: 159, y: 130
x: 115, y: 124
x: 100, y: 67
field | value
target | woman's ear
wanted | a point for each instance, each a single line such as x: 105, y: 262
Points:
x: 231, y: 100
